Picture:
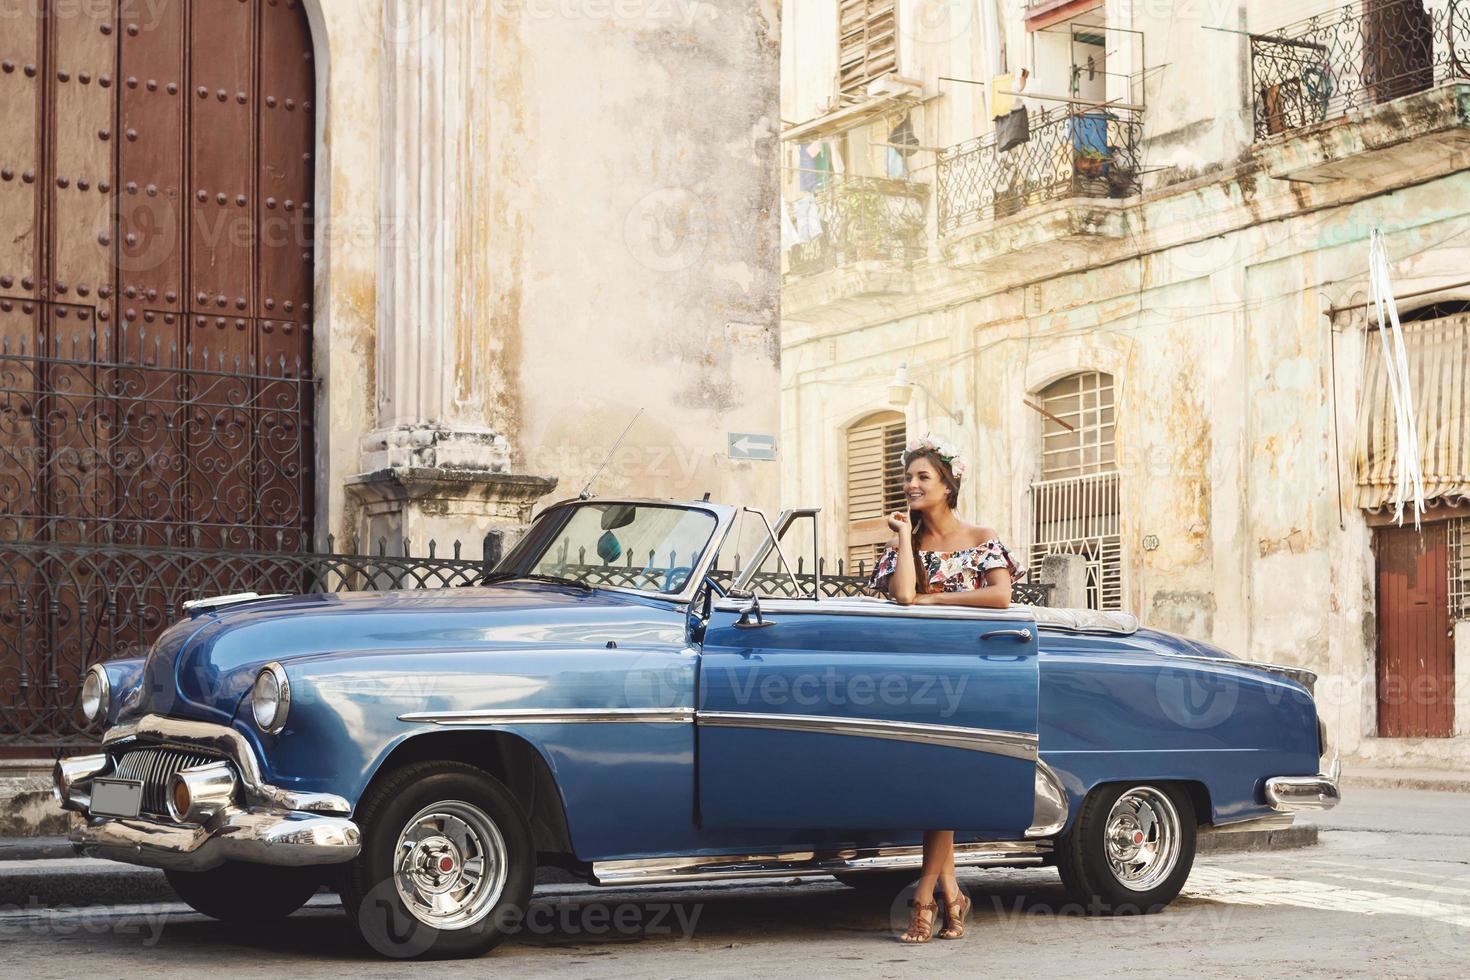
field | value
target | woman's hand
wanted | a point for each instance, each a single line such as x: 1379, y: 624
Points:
x: 898, y: 523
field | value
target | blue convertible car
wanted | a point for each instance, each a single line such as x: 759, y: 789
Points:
x: 607, y: 702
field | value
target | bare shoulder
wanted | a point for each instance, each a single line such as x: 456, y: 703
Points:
x: 979, y: 534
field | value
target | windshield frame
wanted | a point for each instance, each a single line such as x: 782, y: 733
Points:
x: 548, y: 524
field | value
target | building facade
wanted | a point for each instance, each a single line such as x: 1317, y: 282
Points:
x: 1143, y: 314
x: 284, y: 276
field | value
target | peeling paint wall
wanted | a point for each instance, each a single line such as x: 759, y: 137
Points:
x: 626, y: 257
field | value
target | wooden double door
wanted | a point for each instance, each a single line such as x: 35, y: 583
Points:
x: 1416, y: 643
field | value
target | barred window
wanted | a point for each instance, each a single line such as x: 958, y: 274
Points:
x: 1075, y: 504
x: 867, y: 42
x: 874, y: 485
x: 1459, y: 548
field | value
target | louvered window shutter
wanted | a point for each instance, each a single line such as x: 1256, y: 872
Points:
x: 874, y: 486
x: 867, y: 42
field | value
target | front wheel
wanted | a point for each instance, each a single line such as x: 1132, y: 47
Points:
x: 447, y: 863
x: 237, y: 892
x: 1130, y: 849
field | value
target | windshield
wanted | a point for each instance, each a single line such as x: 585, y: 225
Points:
x: 648, y: 547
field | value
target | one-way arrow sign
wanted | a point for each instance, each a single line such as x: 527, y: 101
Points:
x: 751, y: 445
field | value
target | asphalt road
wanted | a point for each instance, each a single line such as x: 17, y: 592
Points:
x: 1386, y: 894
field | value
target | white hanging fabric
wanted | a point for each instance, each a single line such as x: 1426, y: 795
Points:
x: 1409, y: 476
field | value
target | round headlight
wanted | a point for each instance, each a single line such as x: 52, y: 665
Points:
x: 271, y: 698
x: 95, y: 692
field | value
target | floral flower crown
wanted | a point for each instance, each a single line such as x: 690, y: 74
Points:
x: 943, y: 450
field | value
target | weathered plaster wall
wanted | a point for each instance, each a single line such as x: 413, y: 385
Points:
x: 618, y: 255
x: 638, y: 247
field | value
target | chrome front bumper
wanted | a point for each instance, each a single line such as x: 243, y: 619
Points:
x: 257, y: 836
x: 264, y: 825
x: 1293, y: 794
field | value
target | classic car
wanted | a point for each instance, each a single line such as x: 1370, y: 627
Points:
x: 608, y: 702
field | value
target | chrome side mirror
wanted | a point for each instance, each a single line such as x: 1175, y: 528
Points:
x: 752, y: 609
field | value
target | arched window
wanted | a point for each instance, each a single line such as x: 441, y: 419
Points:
x: 874, y: 485
x: 1074, y: 505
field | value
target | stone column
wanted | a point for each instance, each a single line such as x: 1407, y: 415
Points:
x: 435, y: 467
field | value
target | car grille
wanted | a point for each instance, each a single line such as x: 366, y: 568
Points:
x: 155, y: 769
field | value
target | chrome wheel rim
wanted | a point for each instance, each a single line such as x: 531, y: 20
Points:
x: 1142, y: 838
x: 450, y: 865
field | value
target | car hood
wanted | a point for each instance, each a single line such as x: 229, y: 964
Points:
x: 202, y: 666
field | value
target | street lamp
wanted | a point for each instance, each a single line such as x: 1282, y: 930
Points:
x: 901, y: 389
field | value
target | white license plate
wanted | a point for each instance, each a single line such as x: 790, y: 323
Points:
x: 116, y: 797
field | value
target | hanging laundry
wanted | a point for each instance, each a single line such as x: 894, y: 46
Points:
x: 896, y: 165
x: 789, y: 235
x: 1001, y: 87
x: 814, y: 166
x: 806, y: 220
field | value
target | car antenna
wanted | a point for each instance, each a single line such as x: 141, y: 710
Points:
x: 587, y: 490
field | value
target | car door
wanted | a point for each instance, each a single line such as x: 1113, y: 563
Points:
x: 858, y: 713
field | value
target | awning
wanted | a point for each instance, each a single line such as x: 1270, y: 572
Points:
x: 1438, y: 353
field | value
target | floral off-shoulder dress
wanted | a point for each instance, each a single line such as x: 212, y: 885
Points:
x: 951, y: 571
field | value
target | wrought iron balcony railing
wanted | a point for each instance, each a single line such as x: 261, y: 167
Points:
x: 1355, y: 56
x: 1091, y: 153
x: 856, y: 219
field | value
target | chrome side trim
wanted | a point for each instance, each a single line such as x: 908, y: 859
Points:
x: 1015, y: 745
x: 180, y: 734
x: 1292, y: 794
x: 802, y: 864
x: 1050, y: 813
x: 870, y: 606
x: 254, y: 835
x: 553, y: 716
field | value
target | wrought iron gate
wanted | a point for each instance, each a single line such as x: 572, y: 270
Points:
x: 155, y: 323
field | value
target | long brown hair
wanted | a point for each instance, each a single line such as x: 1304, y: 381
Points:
x: 952, y: 482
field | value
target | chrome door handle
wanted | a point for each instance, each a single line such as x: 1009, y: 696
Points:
x: 1022, y: 635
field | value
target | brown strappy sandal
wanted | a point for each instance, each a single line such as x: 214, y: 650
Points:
x: 918, y: 930
x: 956, y: 912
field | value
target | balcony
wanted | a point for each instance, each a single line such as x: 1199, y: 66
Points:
x: 859, y: 219
x: 1072, y: 158
x: 1355, y: 56
x: 856, y: 238
x: 1332, y: 92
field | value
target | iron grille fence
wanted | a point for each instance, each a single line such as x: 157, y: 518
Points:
x: 1080, y: 515
x: 1355, y: 56
x: 1092, y: 153
x: 855, y: 219
x: 120, y: 437
x: 65, y: 606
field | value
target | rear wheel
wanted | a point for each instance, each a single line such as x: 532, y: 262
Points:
x: 447, y: 863
x: 237, y: 892
x: 1130, y: 850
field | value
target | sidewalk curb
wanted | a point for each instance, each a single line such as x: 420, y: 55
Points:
x: 1435, y: 784
x: 1254, y: 841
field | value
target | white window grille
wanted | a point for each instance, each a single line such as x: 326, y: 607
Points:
x: 1458, y: 537
x: 874, y: 486
x: 867, y: 42
x: 1075, y: 505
